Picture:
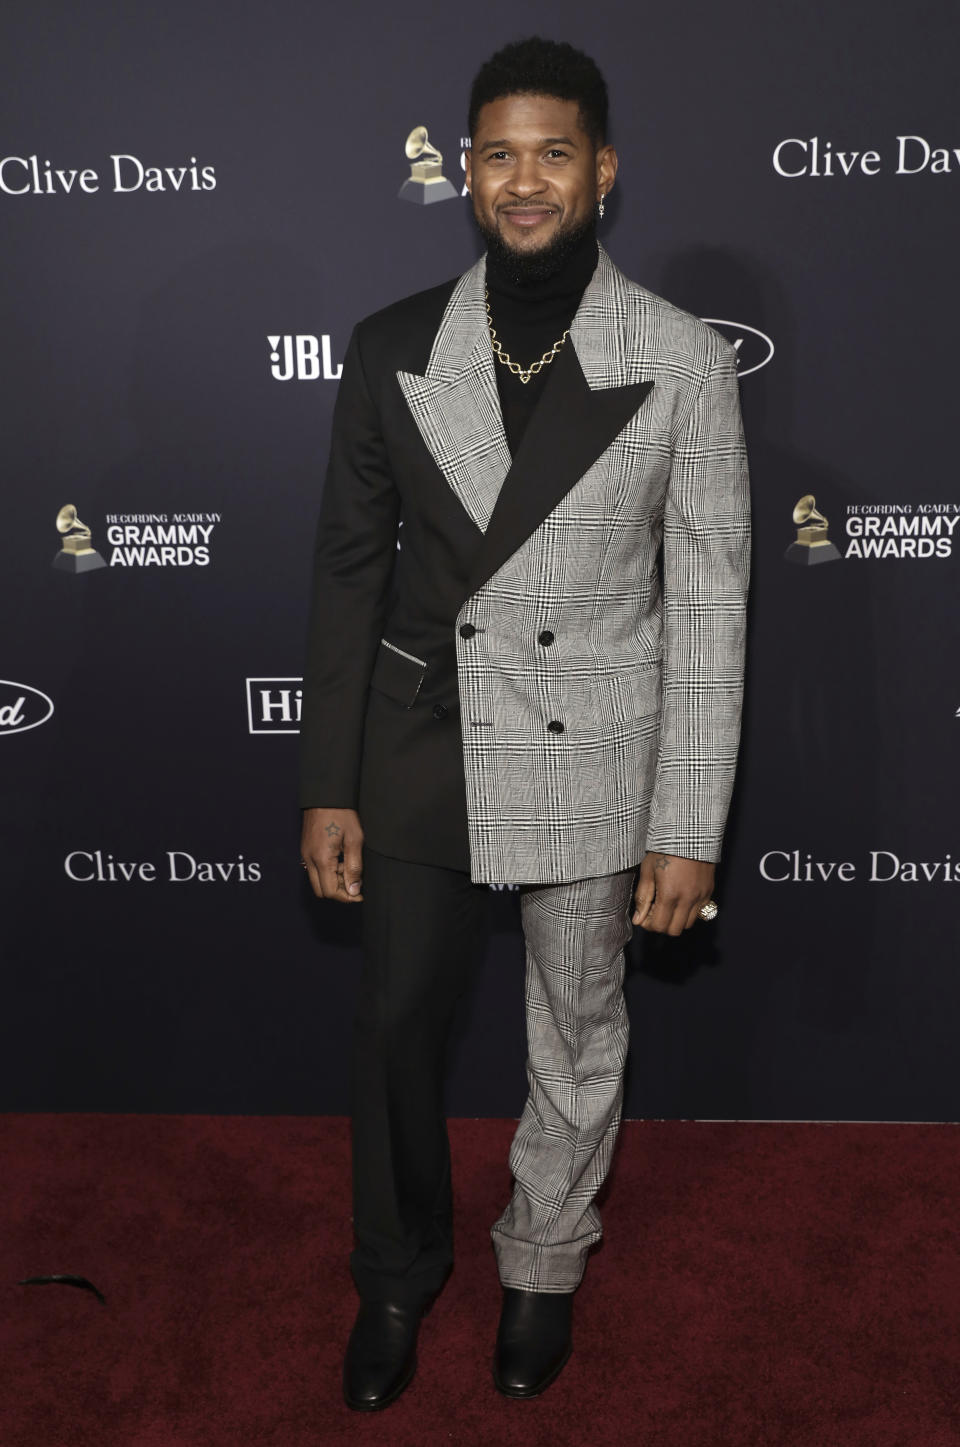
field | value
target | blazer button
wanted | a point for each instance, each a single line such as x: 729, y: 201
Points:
x: 467, y: 630
x: 439, y: 710
x: 555, y: 726
x: 545, y: 637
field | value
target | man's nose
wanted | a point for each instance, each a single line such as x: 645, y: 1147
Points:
x: 527, y: 179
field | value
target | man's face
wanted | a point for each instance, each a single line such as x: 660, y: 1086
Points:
x: 533, y: 172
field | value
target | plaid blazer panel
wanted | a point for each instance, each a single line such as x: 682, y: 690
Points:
x: 621, y: 736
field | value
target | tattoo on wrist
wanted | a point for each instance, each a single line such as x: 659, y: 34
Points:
x: 661, y: 862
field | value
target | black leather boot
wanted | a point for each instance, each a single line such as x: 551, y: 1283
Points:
x: 533, y: 1340
x: 381, y: 1354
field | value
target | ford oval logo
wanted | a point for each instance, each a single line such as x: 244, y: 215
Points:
x: 22, y: 707
x: 754, y: 349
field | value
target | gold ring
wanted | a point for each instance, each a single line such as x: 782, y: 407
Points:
x: 709, y: 909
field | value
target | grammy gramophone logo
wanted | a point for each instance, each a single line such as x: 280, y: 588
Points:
x: 426, y: 182
x: 812, y: 544
x: 77, y: 553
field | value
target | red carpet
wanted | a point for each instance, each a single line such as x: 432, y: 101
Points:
x: 760, y: 1284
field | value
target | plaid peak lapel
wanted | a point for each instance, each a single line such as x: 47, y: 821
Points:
x: 456, y: 407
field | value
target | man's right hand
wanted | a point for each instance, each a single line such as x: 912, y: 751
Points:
x: 325, y: 835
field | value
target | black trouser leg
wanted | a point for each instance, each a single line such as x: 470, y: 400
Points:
x: 424, y: 933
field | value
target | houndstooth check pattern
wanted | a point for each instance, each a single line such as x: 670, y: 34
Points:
x: 648, y: 688
x: 577, y: 1034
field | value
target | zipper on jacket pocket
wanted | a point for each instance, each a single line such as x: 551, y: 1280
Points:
x: 403, y: 653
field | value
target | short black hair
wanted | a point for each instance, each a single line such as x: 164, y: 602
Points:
x: 544, y: 67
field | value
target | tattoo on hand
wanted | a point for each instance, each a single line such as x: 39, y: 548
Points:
x: 662, y: 861
x: 332, y: 830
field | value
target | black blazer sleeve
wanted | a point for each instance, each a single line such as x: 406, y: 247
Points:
x: 356, y: 549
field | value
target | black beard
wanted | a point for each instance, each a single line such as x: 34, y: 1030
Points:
x: 524, y: 268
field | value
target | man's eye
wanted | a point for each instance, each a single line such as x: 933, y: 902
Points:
x: 561, y: 154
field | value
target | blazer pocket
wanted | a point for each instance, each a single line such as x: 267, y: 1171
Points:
x: 397, y: 673
x: 634, y: 694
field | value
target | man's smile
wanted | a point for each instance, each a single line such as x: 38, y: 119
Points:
x: 526, y: 216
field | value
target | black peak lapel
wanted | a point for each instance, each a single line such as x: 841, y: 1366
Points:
x: 570, y: 428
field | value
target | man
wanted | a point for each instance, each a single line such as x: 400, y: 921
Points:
x: 510, y: 697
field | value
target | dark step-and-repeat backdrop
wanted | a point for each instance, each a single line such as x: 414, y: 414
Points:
x: 197, y: 202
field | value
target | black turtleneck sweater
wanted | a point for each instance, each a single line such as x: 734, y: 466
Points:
x: 529, y: 319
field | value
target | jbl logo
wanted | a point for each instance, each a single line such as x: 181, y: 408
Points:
x: 304, y: 358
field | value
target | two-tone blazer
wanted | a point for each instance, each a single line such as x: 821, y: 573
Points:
x: 531, y: 668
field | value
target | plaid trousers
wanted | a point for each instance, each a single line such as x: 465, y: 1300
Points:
x: 577, y: 1036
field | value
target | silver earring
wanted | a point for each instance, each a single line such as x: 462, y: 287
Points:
x: 600, y: 207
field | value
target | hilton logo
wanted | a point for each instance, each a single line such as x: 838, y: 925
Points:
x: 273, y: 705
x: 303, y: 358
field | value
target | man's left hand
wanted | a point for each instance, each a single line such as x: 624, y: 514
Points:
x: 669, y: 892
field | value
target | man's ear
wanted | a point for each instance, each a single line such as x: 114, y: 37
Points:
x: 468, y: 166
x: 606, y: 169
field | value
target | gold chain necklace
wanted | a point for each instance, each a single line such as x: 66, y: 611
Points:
x: 504, y: 357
